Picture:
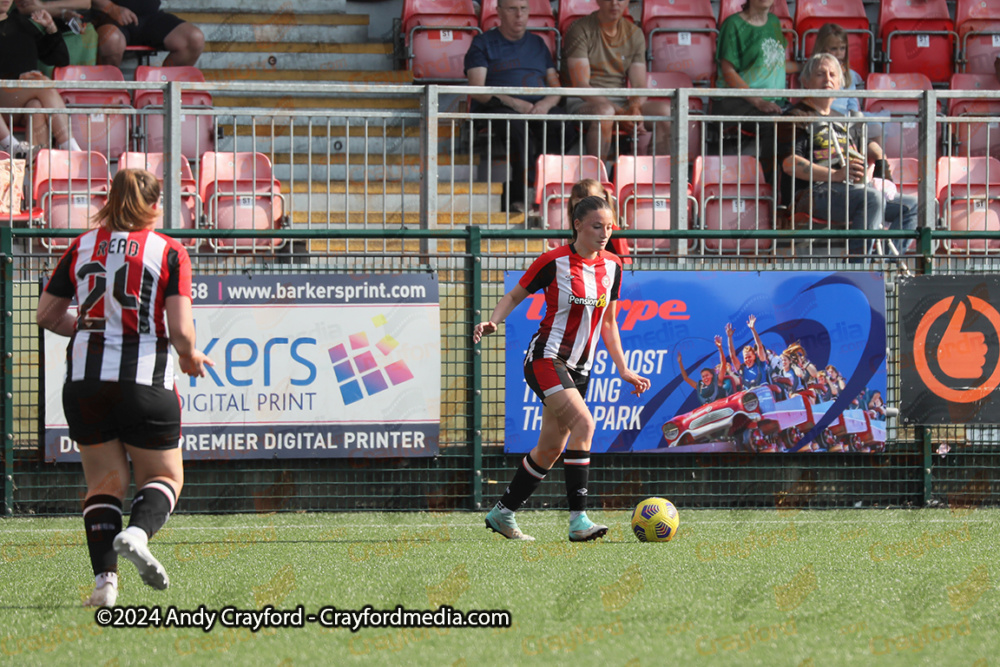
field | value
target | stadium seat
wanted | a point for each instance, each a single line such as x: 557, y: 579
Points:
x: 541, y: 22
x: 696, y: 105
x: 197, y: 131
x: 437, y: 35
x: 975, y: 138
x: 978, y: 26
x: 69, y: 188
x: 968, y: 193
x: 571, y: 10
x: 239, y: 191
x: 191, y: 205
x: 642, y: 185
x: 731, y: 194
x: 905, y: 174
x: 899, y: 139
x: 811, y: 15
x: 555, y: 176
x: 681, y: 35
x: 918, y: 37
x: 780, y: 9
x: 98, y: 131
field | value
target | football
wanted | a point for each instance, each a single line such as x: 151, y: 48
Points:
x: 655, y: 520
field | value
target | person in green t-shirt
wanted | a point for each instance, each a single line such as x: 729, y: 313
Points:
x: 751, y: 55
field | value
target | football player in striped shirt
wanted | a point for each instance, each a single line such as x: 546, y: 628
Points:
x: 134, y: 290
x: 581, y: 282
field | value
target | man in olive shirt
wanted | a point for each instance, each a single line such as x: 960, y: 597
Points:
x: 605, y: 50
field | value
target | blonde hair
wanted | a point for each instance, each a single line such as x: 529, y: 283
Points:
x: 130, y: 202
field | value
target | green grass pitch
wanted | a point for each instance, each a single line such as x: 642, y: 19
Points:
x: 737, y: 587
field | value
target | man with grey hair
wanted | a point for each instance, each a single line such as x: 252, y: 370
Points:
x: 828, y: 174
x: 511, y: 56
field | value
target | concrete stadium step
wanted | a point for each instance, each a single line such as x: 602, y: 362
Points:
x: 491, y: 246
x: 374, y: 146
x: 296, y: 6
x: 280, y: 26
x: 374, y: 172
x: 395, y: 219
x: 288, y: 101
x: 392, y: 197
x: 238, y: 56
x: 395, y: 77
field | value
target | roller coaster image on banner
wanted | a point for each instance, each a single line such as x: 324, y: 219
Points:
x: 950, y: 357
x: 821, y: 389
x: 306, y: 366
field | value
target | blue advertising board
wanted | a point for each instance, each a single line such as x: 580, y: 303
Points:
x: 825, y: 328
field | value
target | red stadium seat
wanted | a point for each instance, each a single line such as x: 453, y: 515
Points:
x: 69, y: 188
x: 107, y: 133
x: 642, y: 185
x: 976, y: 138
x: 731, y: 194
x: 899, y: 139
x: 191, y: 205
x: 571, y: 10
x: 968, y: 193
x: 905, y: 174
x: 681, y: 37
x: 555, y: 176
x: 540, y: 21
x: 437, y: 36
x: 978, y: 25
x: 696, y: 106
x: 918, y: 37
x: 197, y: 131
x: 811, y: 15
x: 240, y: 192
x: 780, y: 9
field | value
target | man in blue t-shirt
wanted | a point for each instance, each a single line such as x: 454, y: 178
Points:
x: 511, y: 56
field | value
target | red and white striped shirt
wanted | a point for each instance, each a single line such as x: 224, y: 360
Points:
x: 121, y: 281
x: 577, y: 291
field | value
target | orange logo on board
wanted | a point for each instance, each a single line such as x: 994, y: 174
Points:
x: 960, y: 355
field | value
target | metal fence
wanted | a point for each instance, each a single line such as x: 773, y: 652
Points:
x: 408, y: 191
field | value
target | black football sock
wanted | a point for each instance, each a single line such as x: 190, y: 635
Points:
x: 577, y: 470
x: 102, y: 520
x: 151, y: 507
x: 527, y: 478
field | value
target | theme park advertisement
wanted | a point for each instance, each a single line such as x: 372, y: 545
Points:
x: 739, y: 362
x: 306, y: 366
x: 950, y: 349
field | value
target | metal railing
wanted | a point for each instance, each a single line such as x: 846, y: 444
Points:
x: 389, y: 213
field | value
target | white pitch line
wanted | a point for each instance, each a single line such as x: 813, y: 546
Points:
x: 477, y: 526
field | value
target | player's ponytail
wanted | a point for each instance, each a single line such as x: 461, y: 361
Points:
x: 586, y: 206
x: 133, y: 194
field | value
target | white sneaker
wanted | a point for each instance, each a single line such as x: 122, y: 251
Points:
x: 23, y: 150
x: 129, y: 546
x: 103, y: 596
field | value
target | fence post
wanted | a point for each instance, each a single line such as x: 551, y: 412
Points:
x: 476, y: 395
x: 172, y: 156
x: 679, y: 166
x: 429, y: 162
x: 7, y: 336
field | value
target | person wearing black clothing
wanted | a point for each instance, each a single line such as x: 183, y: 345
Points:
x: 21, y: 47
x: 141, y: 23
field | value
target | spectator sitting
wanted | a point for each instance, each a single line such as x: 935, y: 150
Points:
x: 588, y: 187
x: 80, y: 37
x: 21, y: 46
x: 826, y: 166
x: 751, y: 55
x: 511, y: 56
x: 604, y: 50
x: 832, y: 39
x: 140, y: 22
